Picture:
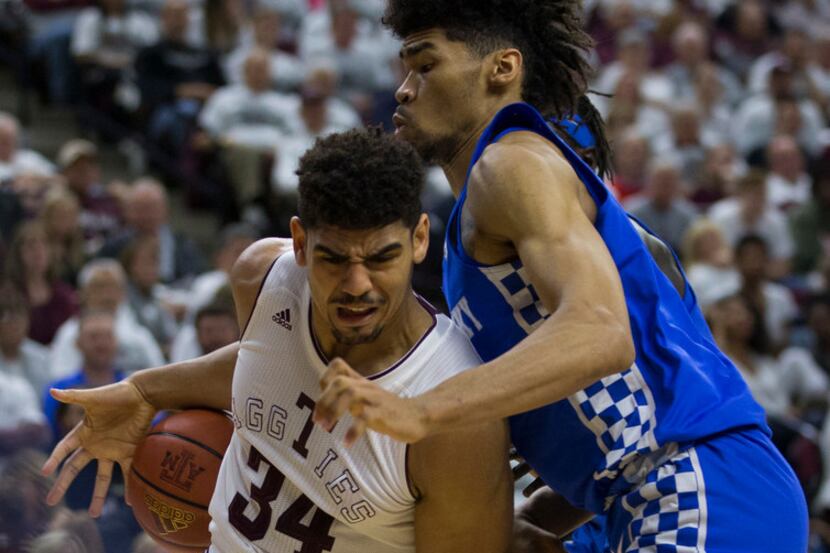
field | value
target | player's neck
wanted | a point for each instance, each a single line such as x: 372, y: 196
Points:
x: 457, y: 167
x: 398, y: 337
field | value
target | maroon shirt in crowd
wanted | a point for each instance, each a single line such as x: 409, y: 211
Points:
x: 46, y: 319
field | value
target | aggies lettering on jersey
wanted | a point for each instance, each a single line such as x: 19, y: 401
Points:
x: 285, y: 484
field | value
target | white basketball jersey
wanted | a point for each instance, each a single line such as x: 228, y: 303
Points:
x: 286, y: 485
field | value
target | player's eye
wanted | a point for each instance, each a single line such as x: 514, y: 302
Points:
x: 426, y: 68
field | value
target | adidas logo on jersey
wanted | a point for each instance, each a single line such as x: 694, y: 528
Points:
x: 283, y: 318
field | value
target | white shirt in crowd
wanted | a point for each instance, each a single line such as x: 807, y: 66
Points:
x: 94, y: 32
x: 783, y: 194
x: 771, y: 226
x: 19, y: 404
x: 32, y: 365
x: 26, y: 161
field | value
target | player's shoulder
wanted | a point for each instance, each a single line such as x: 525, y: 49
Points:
x: 449, y: 351
x: 253, y: 264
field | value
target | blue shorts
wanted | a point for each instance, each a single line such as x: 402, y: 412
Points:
x: 734, y: 493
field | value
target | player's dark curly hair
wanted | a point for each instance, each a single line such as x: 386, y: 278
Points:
x: 360, y: 179
x: 549, y: 33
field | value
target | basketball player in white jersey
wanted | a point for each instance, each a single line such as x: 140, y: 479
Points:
x: 285, y: 484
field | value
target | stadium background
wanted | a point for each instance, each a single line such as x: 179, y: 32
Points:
x: 145, y: 143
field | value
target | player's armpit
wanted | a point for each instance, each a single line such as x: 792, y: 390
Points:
x: 465, y: 491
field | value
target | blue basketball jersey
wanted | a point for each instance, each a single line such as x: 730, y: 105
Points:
x: 604, y: 439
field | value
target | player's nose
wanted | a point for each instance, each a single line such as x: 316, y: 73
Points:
x: 357, y: 281
x: 406, y: 92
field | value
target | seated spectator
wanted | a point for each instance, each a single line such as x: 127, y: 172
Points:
x: 684, y: 141
x: 105, y: 41
x: 210, y: 328
x: 103, y: 287
x: 632, y: 156
x: 818, y: 322
x: 788, y: 185
x: 175, y: 80
x: 98, y: 347
x: 222, y: 24
x: 634, y: 54
x: 141, y: 262
x: 810, y: 224
x: 627, y: 107
x: 662, y: 208
x: 708, y: 262
x: 100, y: 212
x: 287, y: 71
x: 749, y: 213
x: 147, y: 214
x: 20, y: 356
x: 774, y: 302
x: 777, y: 111
x: 250, y: 114
x: 22, y: 423
x: 718, y: 177
x: 60, y: 217
x: 747, y: 32
x: 15, y: 160
x: 319, y: 114
x: 780, y: 384
x: 31, y: 270
x: 690, y: 44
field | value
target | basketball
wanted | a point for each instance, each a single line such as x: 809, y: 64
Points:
x: 173, y: 475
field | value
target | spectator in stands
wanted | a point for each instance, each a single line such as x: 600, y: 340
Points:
x: 103, y: 287
x: 747, y: 212
x: 627, y: 107
x: 747, y: 32
x: 634, y: 58
x: 779, y: 383
x: 632, y: 156
x: 98, y: 346
x: 141, y: 262
x: 690, y: 45
x: 20, y: 357
x: 31, y: 269
x: 777, y: 110
x: 709, y: 263
x: 60, y: 217
x: 147, y: 214
x: 663, y: 208
x: 287, y: 70
x: 818, y: 321
x: 22, y: 423
x: 810, y: 223
x: 216, y: 326
x: 23, y: 512
x: 788, y: 185
x: 15, y: 160
x: 718, y: 176
x: 175, y: 80
x: 100, y: 212
x: 684, y: 142
x: 222, y: 23
x: 774, y: 302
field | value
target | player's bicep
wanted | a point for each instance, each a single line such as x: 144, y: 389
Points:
x: 466, y: 503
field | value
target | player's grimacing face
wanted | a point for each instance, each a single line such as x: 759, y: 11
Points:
x: 359, y: 279
x: 440, y: 97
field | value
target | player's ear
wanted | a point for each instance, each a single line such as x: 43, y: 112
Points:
x: 298, y: 235
x: 506, y: 68
x: 420, y: 238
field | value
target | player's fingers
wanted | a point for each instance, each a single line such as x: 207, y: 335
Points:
x: 75, y: 464
x: 67, y: 445
x: 337, y: 367
x: 355, y: 432
x: 520, y: 470
x: 102, y: 485
x: 335, y: 400
x: 531, y: 488
x: 126, y: 466
x: 71, y: 396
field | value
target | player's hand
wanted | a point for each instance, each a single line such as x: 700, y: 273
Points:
x: 346, y: 391
x: 528, y: 538
x: 116, y: 418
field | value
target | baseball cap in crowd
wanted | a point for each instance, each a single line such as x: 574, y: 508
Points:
x: 76, y: 149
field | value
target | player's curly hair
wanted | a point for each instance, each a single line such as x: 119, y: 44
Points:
x: 360, y: 179
x: 549, y: 33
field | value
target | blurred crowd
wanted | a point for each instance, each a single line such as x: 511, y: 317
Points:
x: 717, y: 111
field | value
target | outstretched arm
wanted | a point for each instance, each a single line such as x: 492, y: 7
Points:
x: 521, y: 195
x: 117, y: 416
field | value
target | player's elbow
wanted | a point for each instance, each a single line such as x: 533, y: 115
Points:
x: 618, y: 344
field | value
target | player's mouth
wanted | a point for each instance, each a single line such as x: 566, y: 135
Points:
x: 356, y: 316
x: 399, y: 121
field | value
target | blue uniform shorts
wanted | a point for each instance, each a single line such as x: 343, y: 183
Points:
x: 733, y: 493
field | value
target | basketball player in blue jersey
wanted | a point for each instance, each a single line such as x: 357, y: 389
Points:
x: 616, y: 392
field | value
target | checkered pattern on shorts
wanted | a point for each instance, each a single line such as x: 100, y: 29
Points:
x: 620, y: 411
x: 668, y: 510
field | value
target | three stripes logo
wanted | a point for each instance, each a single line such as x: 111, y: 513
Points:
x: 283, y: 318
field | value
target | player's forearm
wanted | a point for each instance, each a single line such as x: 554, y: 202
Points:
x: 565, y: 355
x: 551, y: 512
x: 201, y: 382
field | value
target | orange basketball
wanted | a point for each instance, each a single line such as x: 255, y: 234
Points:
x: 173, y: 475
